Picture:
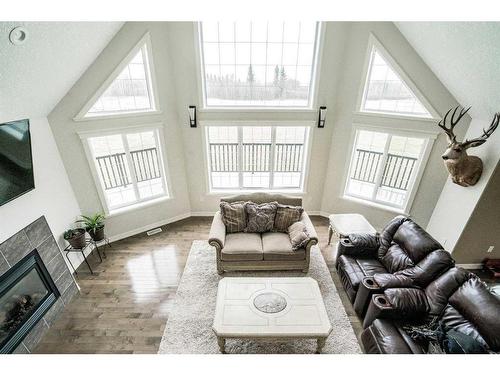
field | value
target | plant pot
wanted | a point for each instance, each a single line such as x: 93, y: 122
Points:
x: 78, y: 241
x: 97, y: 235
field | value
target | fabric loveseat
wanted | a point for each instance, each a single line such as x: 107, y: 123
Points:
x: 457, y: 300
x: 260, y: 251
x: 404, y: 254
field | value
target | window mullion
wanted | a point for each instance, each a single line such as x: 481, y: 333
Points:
x: 240, y: 157
x: 381, y: 168
x: 272, y: 157
x: 131, y: 167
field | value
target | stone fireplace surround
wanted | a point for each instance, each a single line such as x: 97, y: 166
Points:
x: 38, y: 236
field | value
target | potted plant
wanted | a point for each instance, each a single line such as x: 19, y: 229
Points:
x: 75, y: 237
x: 94, y: 225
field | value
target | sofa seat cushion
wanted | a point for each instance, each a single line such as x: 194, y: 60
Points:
x: 277, y: 246
x: 242, y: 246
x: 353, y: 270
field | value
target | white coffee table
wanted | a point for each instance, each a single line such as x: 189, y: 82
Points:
x: 277, y: 308
x: 344, y: 224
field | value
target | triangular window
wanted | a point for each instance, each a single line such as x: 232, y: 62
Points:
x: 129, y: 88
x: 387, y: 92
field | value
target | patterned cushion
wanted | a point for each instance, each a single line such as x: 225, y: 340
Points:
x: 298, y: 235
x: 260, y: 217
x: 286, y: 216
x: 233, y: 216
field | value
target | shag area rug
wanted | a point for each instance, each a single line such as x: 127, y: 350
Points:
x: 189, y: 326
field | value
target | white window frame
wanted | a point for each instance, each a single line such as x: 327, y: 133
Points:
x: 150, y: 78
x: 427, y: 135
x: 313, y: 89
x: 309, y: 125
x: 123, y: 131
x: 373, y: 42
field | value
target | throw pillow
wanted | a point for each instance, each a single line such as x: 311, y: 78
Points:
x: 233, y: 216
x: 298, y: 235
x: 260, y: 217
x: 286, y: 216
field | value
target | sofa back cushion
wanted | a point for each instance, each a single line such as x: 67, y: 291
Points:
x: 403, y: 244
x: 234, y: 216
x: 286, y: 215
x: 441, y: 288
x: 260, y: 217
x: 264, y: 198
x: 481, y: 308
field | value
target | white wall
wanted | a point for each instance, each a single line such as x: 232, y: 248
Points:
x: 70, y: 146
x: 347, y: 92
x: 183, y: 40
x: 456, y: 203
x: 53, y: 195
x: 174, y: 53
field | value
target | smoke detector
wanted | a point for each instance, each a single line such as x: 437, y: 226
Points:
x: 18, y: 35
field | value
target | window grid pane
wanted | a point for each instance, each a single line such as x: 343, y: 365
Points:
x: 129, y: 92
x: 114, y: 159
x: 258, y: 64
x: 259, y: 152
x: 386, y: 92
x: 383, y: 166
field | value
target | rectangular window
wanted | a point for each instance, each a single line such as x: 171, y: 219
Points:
x: 383, y: 167
x: 129, y: 167
x: 256, y: 157
x: 259, y: 64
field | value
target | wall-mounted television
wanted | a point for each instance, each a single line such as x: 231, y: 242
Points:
x: 16, y: 162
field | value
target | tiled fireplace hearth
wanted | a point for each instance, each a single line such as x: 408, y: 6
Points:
x: 16, y: 253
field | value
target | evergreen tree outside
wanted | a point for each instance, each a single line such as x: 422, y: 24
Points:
x: 282, y: 81
x: 276, y: 81
x: 250, y: 81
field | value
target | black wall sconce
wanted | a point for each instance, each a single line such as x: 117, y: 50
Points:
x: 192, y: 116
x: 322, y: 117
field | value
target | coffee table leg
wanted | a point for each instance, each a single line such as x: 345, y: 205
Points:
x: 330, y: 233
x: 222, y: 344
x: 321, y: 344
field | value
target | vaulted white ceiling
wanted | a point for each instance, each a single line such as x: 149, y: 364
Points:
x: 465, y: 56
x: 34, y: 76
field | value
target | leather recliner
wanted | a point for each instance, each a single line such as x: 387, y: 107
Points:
x: 457, y: 299
x: 404, y: 254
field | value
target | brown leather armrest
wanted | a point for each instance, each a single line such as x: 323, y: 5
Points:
x: 366, y: 289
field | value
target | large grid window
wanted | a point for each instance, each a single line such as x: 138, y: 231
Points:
x: 386, y: 92
x: 258, y: 63
x: 383, y: 167
x: 256, y: 157
x: 129, y: 167
x: 131, y: 91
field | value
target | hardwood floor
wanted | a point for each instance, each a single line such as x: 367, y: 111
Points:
x: 124, y: 306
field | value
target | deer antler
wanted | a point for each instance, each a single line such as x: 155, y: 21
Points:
x: 453, y: 122
x: 486, y: 133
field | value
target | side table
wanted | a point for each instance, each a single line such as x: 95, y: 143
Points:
x: 70, y: 249
x: 344, y: 224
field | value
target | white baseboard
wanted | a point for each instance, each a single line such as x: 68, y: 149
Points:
x: 148, y: 227
x: 202, y: 213
x: 145, y: 228
x: 470, y: 266
x: 318, y: 213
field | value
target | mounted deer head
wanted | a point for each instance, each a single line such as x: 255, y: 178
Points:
x: 465, y: 170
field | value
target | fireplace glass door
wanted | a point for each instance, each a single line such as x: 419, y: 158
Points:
x: 26, y: 293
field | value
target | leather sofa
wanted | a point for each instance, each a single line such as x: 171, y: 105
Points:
x: 255, y: 251
x: 457, y: 299
x: 402, y: 255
